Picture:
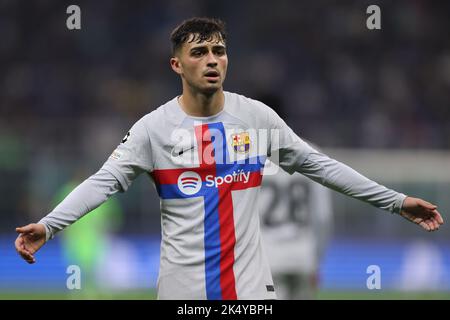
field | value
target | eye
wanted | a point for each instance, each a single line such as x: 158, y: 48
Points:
x: 220, y: 51
x: 196, y: 53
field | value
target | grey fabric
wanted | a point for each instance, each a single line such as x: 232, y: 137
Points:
x: 86, y: 197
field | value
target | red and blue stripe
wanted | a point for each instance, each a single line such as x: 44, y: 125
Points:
x: 219, y: 231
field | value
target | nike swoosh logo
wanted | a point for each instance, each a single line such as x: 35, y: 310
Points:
x: 179, y: 153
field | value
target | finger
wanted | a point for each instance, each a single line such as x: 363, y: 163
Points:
x: 426, y: 204
x: 28, y: 247
x: 21, y: 246
x: 417, y: 220
x: 438, y: 217
x: 424, y: 225
x: 24, y: 249
x: 436, y: 225
x: 25, y: 229
x: 26, y: 256
x: 433, y: 224
x: 30, y: 260
x: 18, y: 242
x: 412, y: 219
x: 430, y: 225
x: 21, y: 250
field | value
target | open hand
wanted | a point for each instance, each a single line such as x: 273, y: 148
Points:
x: 31, y: 238
x: 422, y: 213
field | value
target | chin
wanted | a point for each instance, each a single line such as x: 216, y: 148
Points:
x: 211, y: 89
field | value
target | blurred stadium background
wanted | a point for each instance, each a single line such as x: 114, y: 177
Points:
x: 376, y: 100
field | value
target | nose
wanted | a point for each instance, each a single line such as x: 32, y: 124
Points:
x: 211, y: 61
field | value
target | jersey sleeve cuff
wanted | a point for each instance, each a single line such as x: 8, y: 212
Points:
x: 48, y: 232
x: 399, y: 203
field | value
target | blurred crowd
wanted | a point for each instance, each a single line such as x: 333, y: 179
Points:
x: 68, y: 97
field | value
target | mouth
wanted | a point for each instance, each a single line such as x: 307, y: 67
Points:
x: 212, y: 75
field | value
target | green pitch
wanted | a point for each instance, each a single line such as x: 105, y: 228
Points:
x: 79, y: 295
x: 151, y: 295
x: 382, y: 295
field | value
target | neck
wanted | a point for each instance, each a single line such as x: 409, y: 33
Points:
x: 199, y: 104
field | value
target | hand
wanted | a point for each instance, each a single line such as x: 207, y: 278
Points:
x: 422, y: 213
x: 31, y: 238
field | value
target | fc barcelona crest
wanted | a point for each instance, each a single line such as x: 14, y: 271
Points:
x: 240, y: 142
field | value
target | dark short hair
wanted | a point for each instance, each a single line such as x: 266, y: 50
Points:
x: 203, y: 29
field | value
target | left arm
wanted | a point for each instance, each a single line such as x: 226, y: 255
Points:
x: 340, y: 177
x: 293, y: 154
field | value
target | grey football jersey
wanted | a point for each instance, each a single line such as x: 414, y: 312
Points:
x: 207, y: 172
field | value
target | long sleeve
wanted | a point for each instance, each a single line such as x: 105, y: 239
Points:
x: 339, y: 177
x: 293, y: 154
x: 86, y: 197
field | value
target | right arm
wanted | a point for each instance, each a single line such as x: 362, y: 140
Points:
x: 131, y: 157
x: 86, y: 197
x: 90, y: 194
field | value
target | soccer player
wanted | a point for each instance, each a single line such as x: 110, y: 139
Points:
x: 205, y: 151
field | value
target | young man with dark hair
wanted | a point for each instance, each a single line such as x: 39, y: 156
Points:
x: 205, y: 151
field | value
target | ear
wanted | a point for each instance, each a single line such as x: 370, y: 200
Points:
x: 175, y: 64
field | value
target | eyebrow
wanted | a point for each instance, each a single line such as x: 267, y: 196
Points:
x: 217, y: 46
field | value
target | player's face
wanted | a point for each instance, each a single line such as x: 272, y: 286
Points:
x: 202, y: 65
